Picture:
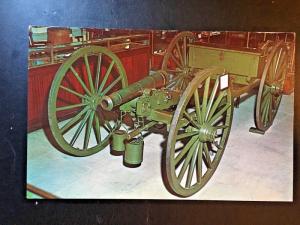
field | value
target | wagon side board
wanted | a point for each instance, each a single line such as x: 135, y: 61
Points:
x: 243, y: 66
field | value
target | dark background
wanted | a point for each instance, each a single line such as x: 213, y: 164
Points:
x: 15, y: 16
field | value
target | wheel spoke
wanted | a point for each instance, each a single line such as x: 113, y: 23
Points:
x: 284, y: 56
x: 219, y: 113
x: 174, y: 71
x: 106, y: 77
x: 222, y: 127
x: 174, y: 81
x: 199, y: 162
x: 266, y: 91
x: 176, y: 61
x: 88, y: 130
x: 70, y: 107
x: 185, y: 150
x: 212, y: 97
x: 277, y: 102
x: 277, y: 62
x: 270, y: 72
x: 80, y: 80
x: 98, y: 72
x: 71, y: 91
x: 181, y: 83
x: 184, y: 51
x: 205, y: 96
x: 207, y: 156
x: 263, y: 112
x: 179, y: 53
x: 270, y: 112
x: 280, y: 71
x: 88, y: 70
x: 97, y: 131
x: 186, y: 134
x: 79, y: 129
x: 265, y: 101
x: 266, y: 109
x: 197, y: 106
x: 73, y: 121
x: 216, y: 104
x: 273, y: 101
x: 190, y: 119
x: 106, y: 125
x: 186, y: 162
x: 111, y: 86
x: 272, y: 69
x: 281, y: 63
x: 191, y: 168
x: 217, y: 145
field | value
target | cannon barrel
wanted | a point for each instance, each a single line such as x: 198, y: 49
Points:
x: 157, y: 80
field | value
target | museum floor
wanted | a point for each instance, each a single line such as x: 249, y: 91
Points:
x: 254, y: 167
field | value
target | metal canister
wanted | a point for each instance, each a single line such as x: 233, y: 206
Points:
x: 118, y: 138
x: 134, y: 151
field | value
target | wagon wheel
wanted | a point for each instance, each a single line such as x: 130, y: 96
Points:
x: 271, y: 86
x: 198, y: 133
x: 176, y: 60
x: 78, y: 124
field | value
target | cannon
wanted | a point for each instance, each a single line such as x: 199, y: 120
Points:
x: 91, y: 105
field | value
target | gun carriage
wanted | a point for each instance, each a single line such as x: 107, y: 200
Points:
x: 91, y: 105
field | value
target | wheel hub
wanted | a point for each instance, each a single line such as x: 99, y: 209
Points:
x: 275, y: 89
x: 186, y: 71
x: 207, y: 133
x: 92, y: 101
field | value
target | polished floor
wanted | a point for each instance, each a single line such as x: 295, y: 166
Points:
x: 254, y: 167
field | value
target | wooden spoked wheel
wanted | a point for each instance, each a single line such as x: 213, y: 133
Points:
x: 176, y: 61
x: 198, y: 133
x: 271, y: 86
x: 78, y: 124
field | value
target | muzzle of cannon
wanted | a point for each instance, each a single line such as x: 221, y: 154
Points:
x: 157, y: 80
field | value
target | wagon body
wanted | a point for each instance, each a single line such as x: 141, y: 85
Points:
x: 244, y: 65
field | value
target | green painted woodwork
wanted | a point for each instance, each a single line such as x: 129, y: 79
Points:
x: 186, y: 95
x: 129, y: 106
x: 161, y: 116
x: 271, y: 86
x: 176, y: 60
x: 151, y: 99
x: 139, y: 130
x: 87, y: 118
x: 156, y: 99
x: 194, y: 150
x: 240, y: 64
